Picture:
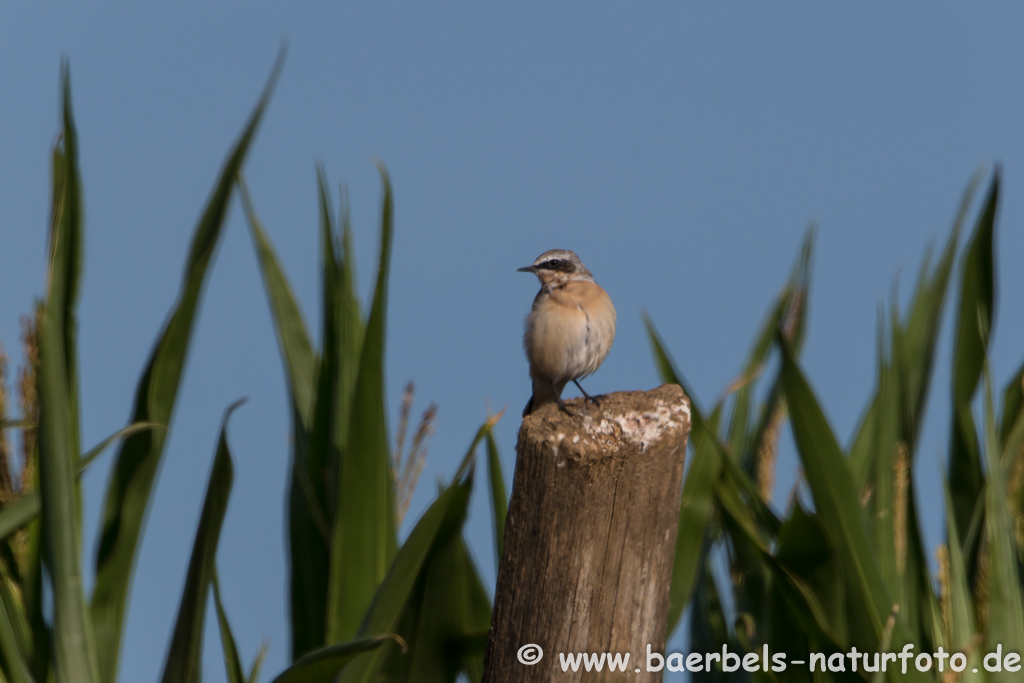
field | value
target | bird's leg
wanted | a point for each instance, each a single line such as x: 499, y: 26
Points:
x: 586, y: 395
x: 559, y: 402
x: 564, y: 408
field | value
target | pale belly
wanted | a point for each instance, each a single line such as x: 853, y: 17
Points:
x: 566, y: 346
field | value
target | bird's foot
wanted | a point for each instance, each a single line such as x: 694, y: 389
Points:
x: 564, y: 408
x: 587, y: 397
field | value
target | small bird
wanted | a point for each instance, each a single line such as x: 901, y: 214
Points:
x: 570, y: 329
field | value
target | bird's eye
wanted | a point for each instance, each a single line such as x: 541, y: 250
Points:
x: 553, y: 264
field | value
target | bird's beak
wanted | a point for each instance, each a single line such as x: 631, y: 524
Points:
x: 526, y: 269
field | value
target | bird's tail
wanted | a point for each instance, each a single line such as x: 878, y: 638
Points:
x: 544, y: 392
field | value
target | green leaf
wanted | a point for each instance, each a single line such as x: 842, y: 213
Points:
x: 186, y: 649
x: 289, y: 325
x: 448, y: 617
x: 364, y: 537
x: 973, y: 327
x: 499, y: 499
x: 836, y: 503
x: 312, y: 394
x: 790, y: 312
x: 323, y: 664
x: 257, y: 664
x: 15, y: 666
x: 307, y: 522
x: 1013, y: 407
x: 227, y: 639
x: 138, y: 458
x: 27, y: 507
x: 74, y: 651
x: 961, y: 607
x: 1005, y: 601
x: 696, y: 504
x: 442, y: 520
x: 695, y: 509
x: 921, y: 332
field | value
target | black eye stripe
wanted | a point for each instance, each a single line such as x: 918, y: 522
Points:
x: 558, y: 264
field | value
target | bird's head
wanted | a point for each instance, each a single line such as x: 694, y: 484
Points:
x: 558, y: 265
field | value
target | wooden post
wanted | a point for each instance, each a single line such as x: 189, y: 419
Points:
x: 590, y: 536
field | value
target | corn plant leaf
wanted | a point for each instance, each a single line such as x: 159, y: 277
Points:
x: 349, y: 322
x: 921, y: 330
x: 323, y: 664
x: 499, y: 498
x: 257, y: 664
x: 74, y: 651
x: 138, y: 458
x: 185, y: 653
x: 232, y: 663
x: 698, y: 490
x: 972, y: 330
x: 442, y: 520
x: 289, y: 325
x: 16, y: 668
x: 1005, y: 600
x: 67, y: 228
x: 1013, y: 406
x: 307, y: 518
x: 447, y: 616
x: 27, y: 507
x: 960, y: 601
x: 364, y: 535
x: 881, y: 507
x: 789, y: 311
x: 836, y: 503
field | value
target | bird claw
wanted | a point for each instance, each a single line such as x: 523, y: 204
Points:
x: 564, y: 408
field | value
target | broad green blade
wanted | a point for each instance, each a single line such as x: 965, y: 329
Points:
x: 448, y: 619
x: 972, y: 329
x: 804, y: 570
x: 16, y: 668
x: 364, y: 536
x: 695, y: 509
x: 307, y: 518
x: 74, y: 653
x: 1013, y: 407
x: 70, y: 232
x: 138, y: 458
x: 862, y: 449
x: 696, y: 505
x: 27, y: 507
x: 323, y: 664
x: 836, y: 503
x: 1005, y: 601
x: 257, y: 664
x: 499, y: 499
x: 881, y: 507
x: 921, y: 332
x: 350, y: 325
x: 310, y: 547
x: 442, y: 520
x: 961, y: 604
x: 232, y: 664
x: 789, y: 312
x: 185, y: 654
x: 289, y: 325
x: 670, y: 374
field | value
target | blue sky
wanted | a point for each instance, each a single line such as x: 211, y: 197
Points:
x: 681, y: 151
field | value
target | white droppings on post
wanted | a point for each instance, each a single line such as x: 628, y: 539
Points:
x: 641, y: 428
